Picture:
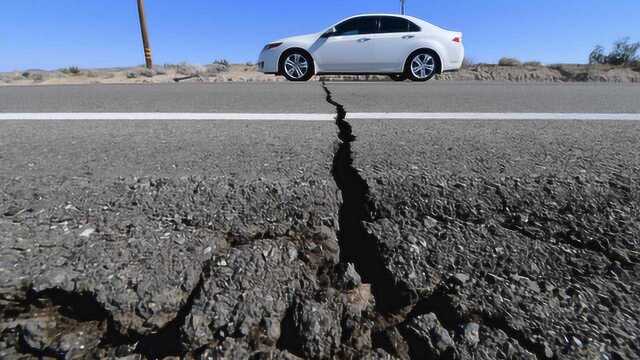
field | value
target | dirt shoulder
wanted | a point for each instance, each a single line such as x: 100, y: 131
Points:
x: 247, y: 73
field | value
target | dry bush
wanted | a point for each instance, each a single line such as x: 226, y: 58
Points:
x: 72, y: 70
x: 506, y: 61
x: 221, y: 62
x: 623, y: 52
x: 532, y: 63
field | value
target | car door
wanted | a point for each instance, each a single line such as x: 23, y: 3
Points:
x: 395, y: 41
x: 349, y: 49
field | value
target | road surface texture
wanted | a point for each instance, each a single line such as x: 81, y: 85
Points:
x: 357, y: 239
x: 308, y: 97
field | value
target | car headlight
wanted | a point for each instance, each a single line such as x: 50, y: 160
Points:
x: 272, y: 45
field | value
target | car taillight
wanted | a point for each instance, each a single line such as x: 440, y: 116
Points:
x: 457, y: 39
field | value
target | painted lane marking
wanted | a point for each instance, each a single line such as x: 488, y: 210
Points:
x: 320, y: 116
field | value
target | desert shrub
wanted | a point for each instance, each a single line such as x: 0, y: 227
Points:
x: 532, y: 63
x: 73, y: 70
x: 131, y: 75
x: 597, y: 56
x: 37, y: 77
x: 623, y: 52
x: 249, y: 63
x: 506, y: 61
x: 26, y: 74
x: 221, y: 62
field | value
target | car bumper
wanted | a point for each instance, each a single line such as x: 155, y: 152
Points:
x: 456, y: 57
x: 268, y: 61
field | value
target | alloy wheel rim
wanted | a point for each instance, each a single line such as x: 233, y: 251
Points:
x: 296, y: 66
x: 422, y: 66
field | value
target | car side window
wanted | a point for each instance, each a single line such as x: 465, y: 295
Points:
x: 358, y: 26
x: 392, y: 24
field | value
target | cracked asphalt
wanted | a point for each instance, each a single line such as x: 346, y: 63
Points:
x: 284, y: 240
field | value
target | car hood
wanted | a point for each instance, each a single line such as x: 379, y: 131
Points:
x: 301, y: 39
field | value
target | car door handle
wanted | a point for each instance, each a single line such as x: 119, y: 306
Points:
x: 363, y: 40
x: 406, y: 37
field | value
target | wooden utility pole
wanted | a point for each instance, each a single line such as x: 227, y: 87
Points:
x: 145, y: 35
x: 402, y: 7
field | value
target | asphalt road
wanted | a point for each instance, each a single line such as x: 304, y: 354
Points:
x: 309, y: 98
x: 482, y: 239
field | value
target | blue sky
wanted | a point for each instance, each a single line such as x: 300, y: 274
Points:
x: 100, y: 33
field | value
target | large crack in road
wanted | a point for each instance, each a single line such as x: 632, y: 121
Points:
x: 362, y: 248
x: 357, y: 246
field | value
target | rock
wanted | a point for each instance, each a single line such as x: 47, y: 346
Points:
x: 254, y: 288
x: 392, y: 340
x: 548, y: 351
x: 350, y: 278
x: 12, y: 210
x: 35, y: 333
x: 429, y: 222
x: 54, y: 334
x: 317, y: 330
x: 461, y: 279
x: 576, y: 342
x: 472, y: 333
x: 87, y: 232
x: 427, y: 338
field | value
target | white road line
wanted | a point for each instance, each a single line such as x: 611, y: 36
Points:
x: 496, y: 116
x: 166, y: 116
x: 320, y: 116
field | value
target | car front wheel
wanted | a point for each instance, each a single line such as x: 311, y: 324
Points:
x: 421, y: 66
x: 297, y: 66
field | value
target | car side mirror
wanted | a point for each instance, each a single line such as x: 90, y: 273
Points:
x: 331, y: 32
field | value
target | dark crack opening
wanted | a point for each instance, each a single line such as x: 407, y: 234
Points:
x: 357, y: 246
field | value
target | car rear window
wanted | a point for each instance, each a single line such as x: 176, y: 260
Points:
x: 358, y: 26
x: 390, y: 24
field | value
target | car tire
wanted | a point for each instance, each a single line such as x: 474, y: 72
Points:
x: 297, y: 65
x: 414, y: 69
x: 398, y: 77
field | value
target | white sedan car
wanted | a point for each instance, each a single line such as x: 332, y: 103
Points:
x: 399, y: 46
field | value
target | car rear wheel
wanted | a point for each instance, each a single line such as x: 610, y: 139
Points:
x: 297, y: 66
x: 398, y: 77
x: 422, y: 65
